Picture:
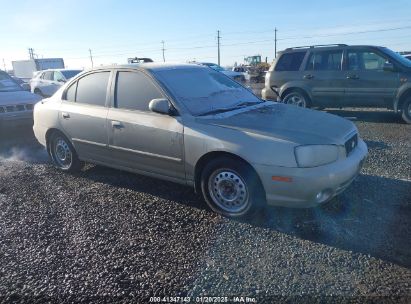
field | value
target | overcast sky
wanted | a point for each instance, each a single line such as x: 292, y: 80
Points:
x: 116, y: 30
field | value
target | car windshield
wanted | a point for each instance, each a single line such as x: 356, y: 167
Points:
x: 70, y: 73
x: 401, y: 59
x: 204, y: 91
x: 7, y: 84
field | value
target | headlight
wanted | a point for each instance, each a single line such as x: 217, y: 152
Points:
x: 315, y: 155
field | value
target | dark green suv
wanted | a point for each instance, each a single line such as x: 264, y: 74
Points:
x: 341, y: 76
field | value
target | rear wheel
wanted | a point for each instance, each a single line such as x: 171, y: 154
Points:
x: 297, y: 98
x: 232, y: 188
x: 63, y: 154
x: 406, y: 110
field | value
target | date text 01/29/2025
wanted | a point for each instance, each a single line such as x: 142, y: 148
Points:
x: 203, y: 299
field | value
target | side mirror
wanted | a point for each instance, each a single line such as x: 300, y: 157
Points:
x: 160, y: 105
x: 61, y: 80
x: 388, y: 67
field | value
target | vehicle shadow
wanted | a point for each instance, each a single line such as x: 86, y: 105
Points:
x: 373, y: 216
x: 377, y: 145
x: 377, y: 116
x: 139, y: 183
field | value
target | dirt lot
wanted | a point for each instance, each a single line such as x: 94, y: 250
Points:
x: 107, y: 236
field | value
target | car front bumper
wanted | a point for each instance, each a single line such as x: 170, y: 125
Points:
x: 269, y: 94
x: 299, y: 187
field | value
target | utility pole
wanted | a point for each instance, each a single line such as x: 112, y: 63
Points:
x: 218, y: 45
x: 4, y: 64
x: 163, y: 49
x: 275, y: 43
x: 31, y: 53
x: 91, y: 58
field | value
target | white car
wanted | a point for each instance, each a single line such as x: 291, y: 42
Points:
x: 47, y: 82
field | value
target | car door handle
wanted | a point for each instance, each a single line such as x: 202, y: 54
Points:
x: 65, y: 115
x: 308, y: 76
x: 353, y: 77
x: 117, y: 124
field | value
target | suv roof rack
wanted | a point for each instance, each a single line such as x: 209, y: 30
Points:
x: 313, y: 46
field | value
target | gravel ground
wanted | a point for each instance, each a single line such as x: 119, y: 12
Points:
x: 107, y: 236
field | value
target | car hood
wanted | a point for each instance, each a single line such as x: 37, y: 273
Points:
x: 18, y: 97
x: 287, y: 123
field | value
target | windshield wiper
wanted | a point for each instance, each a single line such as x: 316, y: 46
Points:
x: 237, y: 106
x: 216, y: 111
x: 247, y: 103
x: 219, y: 92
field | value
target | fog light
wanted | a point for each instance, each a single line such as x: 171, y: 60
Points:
x: 324, y: 195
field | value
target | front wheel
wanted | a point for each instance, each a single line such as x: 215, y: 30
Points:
x: 63, y: 154
x: 232, y: 188
x: 406, y: 110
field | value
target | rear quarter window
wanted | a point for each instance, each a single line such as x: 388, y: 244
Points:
x: 290, y: 61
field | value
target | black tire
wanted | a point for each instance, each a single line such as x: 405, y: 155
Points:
x: 406, y: 110
x: 59, y: 145
x: 239, y: 175
x: 298, y: 98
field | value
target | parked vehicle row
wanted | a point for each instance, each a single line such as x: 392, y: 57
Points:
x: 16, y: 104
x: 193, y: 125
x: 341, y: 76
x: 46, y: 83
x: 240, y: 77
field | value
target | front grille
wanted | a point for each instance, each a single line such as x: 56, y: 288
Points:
x: 16, y: 108
x: 10, y: 109
x: 351, y: 144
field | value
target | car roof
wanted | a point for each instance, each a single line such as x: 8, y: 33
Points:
x: 326, y: 47
x: 52, y: 70
x: 152, y: 66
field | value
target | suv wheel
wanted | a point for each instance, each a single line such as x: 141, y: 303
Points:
x: 406, y: 110
x: 296, y: 98
x: 232, y: 188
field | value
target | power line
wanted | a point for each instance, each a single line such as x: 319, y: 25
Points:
x: 348, y: 33
x: 219, y: 45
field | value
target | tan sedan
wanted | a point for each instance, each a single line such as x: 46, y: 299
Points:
x: 192, y: 125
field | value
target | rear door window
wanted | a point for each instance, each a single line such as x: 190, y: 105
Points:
x: 92, y: 88
x: 58, y: 76
x: 134, y: 91
x: 325, y: 61
x: 290, y: 61
x: 47, y: 75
